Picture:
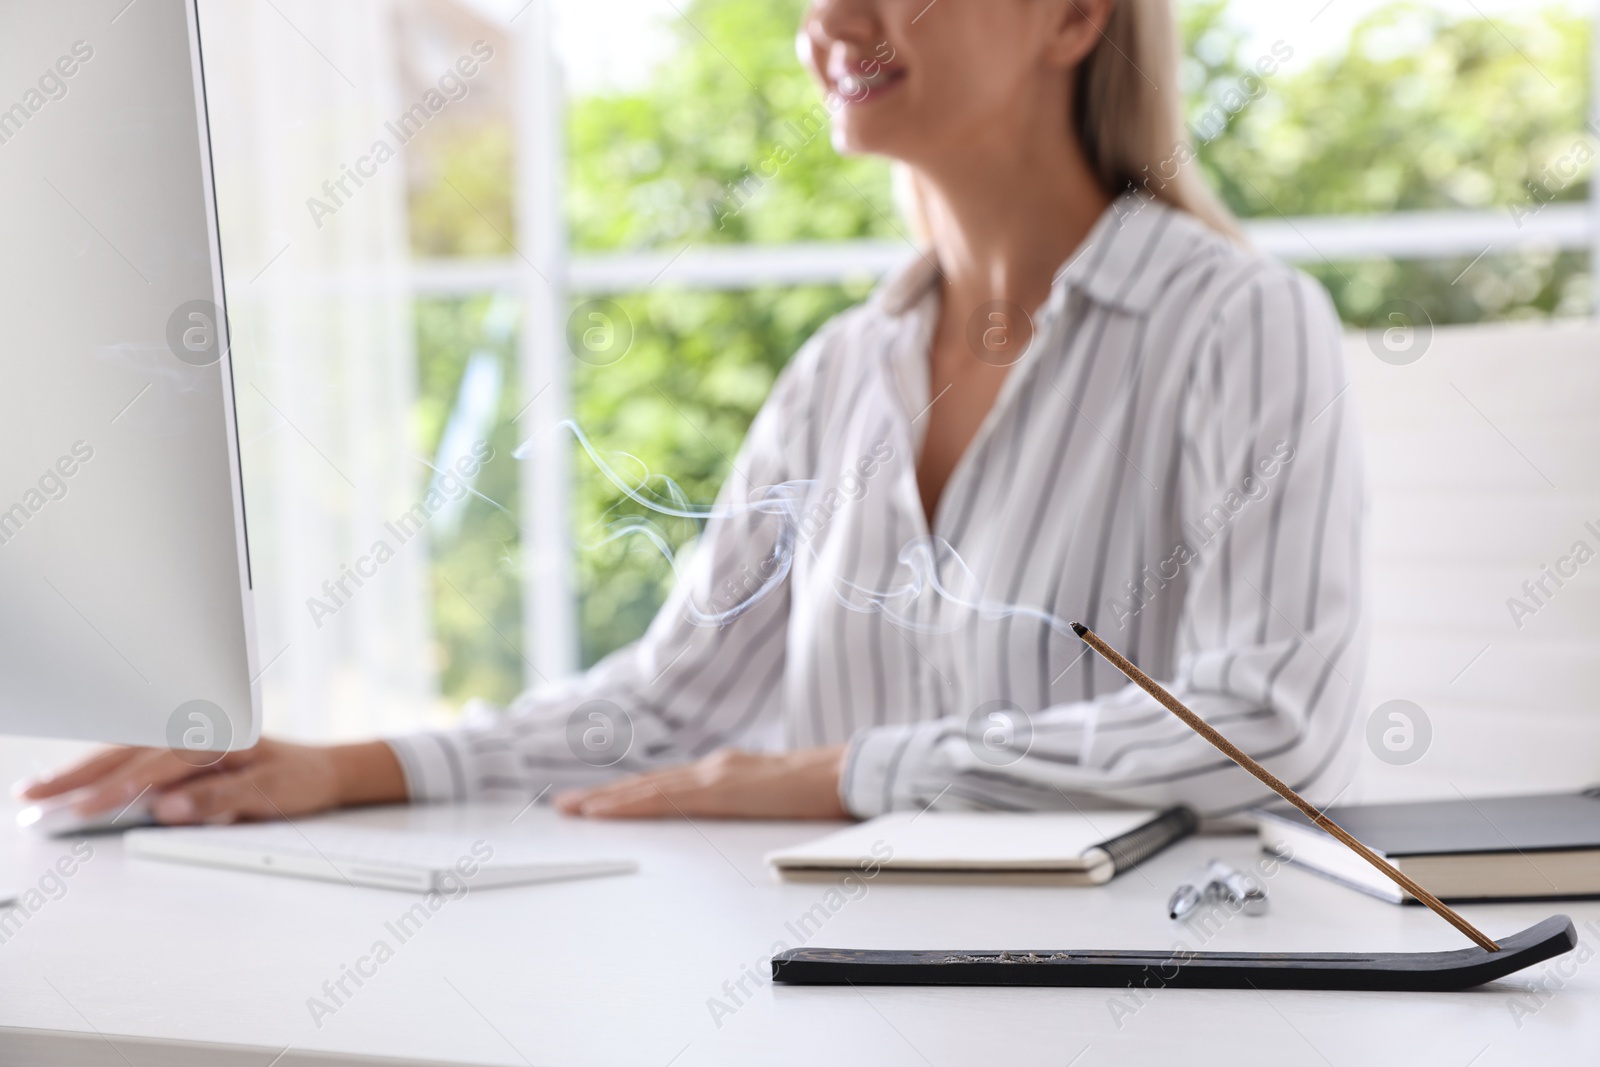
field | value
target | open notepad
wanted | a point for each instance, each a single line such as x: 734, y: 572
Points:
x: 1046, y: 848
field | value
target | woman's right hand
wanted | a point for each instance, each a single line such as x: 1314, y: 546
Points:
x: 272, y: 780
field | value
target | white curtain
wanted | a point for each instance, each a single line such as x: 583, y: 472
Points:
x: 299, y: 92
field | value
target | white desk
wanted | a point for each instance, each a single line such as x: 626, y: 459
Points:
x: 158, y: 957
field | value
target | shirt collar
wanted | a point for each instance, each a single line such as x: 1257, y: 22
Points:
x: 1130, y: 252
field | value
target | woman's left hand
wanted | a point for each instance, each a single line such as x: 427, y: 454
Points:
x: 728, y: 784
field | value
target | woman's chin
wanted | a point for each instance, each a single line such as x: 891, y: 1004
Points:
x: 852, y: 140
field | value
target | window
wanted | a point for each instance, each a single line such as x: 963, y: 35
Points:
x: 641, y: 254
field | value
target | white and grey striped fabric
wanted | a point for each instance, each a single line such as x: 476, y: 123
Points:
x: 1173, y: 462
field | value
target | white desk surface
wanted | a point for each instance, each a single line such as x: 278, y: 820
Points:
x: 139, y: 957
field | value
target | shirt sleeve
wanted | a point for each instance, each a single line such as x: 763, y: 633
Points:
x: 1270, y: 645
x: 706, y: 673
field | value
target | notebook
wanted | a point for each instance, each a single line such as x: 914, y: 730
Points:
x: 1540, y: 847
x: 1044, y: 848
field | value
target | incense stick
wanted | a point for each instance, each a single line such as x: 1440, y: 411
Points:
x: 1272, y: 782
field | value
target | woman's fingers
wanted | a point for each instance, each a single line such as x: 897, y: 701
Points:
x: 644, y: 800
x: 571, y: 801
x: 699, y: 788
x: 598, y: 799
x: 79, y: 774
x: 117, y: 776
x: 272, y: 779
x: 150, y: 769
x: 582, y: 801
x: 726, y: 784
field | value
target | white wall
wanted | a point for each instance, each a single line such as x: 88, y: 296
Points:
x: 1484, y: 467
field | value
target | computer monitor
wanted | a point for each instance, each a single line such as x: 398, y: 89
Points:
x: 124, y: 577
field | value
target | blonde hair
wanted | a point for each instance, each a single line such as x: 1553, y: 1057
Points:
x: 1128, y: 117
x: 1128, y: 114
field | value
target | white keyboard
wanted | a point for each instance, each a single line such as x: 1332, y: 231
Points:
x: 371, y: 856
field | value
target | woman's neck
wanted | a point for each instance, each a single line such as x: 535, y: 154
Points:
x: 1002, y: 222
x: 1005, y: 215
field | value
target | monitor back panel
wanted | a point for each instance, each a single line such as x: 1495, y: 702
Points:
x: 124, y: 583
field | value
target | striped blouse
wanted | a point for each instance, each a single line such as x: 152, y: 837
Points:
x: 1173, y: 461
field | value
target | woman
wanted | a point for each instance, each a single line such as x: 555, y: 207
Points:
x: 1158, y: 449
